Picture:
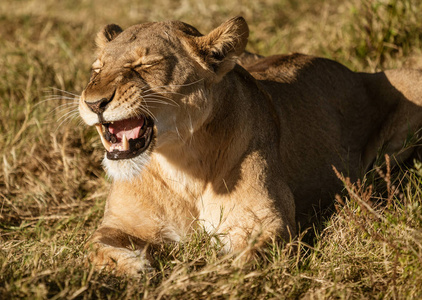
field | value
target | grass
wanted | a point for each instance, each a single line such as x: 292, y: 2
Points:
x: 52, y: 188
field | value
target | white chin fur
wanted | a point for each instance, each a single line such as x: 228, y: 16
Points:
x: 125, y: 169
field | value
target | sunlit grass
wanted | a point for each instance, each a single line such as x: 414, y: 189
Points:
x: 52, y: 187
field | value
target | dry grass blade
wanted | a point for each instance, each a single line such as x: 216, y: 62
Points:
x: 52, y: 188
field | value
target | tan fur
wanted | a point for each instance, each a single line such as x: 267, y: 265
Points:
x: 243, y: 152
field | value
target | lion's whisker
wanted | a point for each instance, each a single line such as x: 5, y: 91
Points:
x: 66, y: 92
x: 190, y: 129
x: 173, y: 85
x: 56, y: 99
x: 63, y: 111
x: 65, y: 106
x: 151, y: 106
x: 157, y: 96
x: 167, y: 92
x: 70, y: 116
x: 144, y: 106
x: 66, y: 114
x: 179, y: 135
x: 148, y: 112
x: 144, y: 110
x: 177, y: 85
x: 152, y: 100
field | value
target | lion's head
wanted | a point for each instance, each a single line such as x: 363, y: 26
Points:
x: 151, y: 87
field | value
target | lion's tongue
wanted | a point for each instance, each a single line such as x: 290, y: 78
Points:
x: 129, y: 127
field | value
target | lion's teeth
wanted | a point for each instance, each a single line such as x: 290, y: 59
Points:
x: 99, y: 129
x: 106, y: 143
x: 125, y: 143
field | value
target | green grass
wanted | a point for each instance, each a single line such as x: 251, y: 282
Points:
x: 52, y: 187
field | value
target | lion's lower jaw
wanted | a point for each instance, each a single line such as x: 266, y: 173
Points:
x: 126, y: 169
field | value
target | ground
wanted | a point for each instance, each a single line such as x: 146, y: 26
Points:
x: 53, y: 189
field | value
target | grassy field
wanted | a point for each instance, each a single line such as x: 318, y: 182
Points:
x: 53, y: 189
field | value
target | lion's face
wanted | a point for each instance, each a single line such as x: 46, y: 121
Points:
x: 150, y: 88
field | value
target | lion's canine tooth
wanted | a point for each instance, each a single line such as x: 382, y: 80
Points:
x: 106, y: 143
x: 99, y: 129
x: 125, y: 143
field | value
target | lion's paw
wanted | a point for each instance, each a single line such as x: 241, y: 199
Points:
x: 120, y: 260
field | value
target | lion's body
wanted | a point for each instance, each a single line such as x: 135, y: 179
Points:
x: 245, y: 153
x: 332, y: 116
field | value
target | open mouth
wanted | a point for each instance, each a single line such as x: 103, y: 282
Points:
x: 126, y: 138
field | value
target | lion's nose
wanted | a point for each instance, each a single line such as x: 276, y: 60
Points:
x: 98, y: 106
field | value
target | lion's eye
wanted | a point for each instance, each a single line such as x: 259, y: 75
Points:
x: 144, y: 65
x: 139, y: 65
x: 144, y: 62
x: 96, y: 66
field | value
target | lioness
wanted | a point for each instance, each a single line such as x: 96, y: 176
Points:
x: 194, y: 140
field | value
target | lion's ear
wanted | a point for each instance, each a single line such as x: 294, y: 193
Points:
x: 108, y: 34
x: 223, y: 45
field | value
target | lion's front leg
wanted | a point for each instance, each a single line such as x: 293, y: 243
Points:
x: 114, y: 250
x: 255, y: 213
x: 241, y: 226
